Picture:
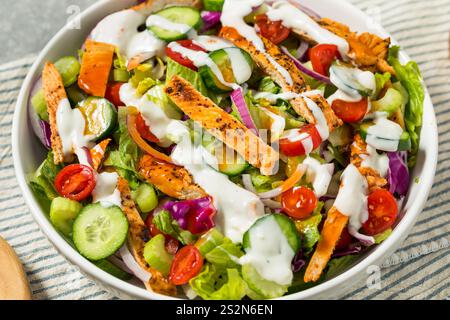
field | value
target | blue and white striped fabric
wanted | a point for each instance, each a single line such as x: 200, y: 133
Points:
x: 418, y: 270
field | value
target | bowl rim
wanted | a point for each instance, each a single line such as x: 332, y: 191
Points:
x: 100, y: 276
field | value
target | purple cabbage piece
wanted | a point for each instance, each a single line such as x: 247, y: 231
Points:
x: 298, y: 262
x: 352, y: 249
x: 398, y: 174
x: 210, y: 19
x: 202, y: 209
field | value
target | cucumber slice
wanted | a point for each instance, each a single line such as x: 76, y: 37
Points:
x: 390, y: 103
x: 213, y: 5
x: 262, y: 287
x: 348, y: 80
x: 179, y: 15
x: 223, y: 61
x: 287, y: 226
x: 156, y: 255
x: 112, y: 269
x: 100, y: 115
x: 62, y: 214
x: 99, y: 231
x: 145, y: 197
x: 404, y: 143
x: 209, y: 241
x: 231, y: 163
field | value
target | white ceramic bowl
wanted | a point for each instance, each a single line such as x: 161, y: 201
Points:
x: 28, y: 154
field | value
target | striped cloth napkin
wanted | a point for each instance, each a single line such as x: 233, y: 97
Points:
x: 420, y: 269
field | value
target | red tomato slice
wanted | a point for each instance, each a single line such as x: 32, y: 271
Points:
x: 321, y: 56
x: 344, y: 240
x: 171, y: 243
x: 296, y: 147
x: 299, y: 202
x: 350, y: 111
x: 272, y: 30
x: 113, y: 94
x: 178, y: 57
x: 144, y: 130
x: 187, y: 264
x: 75, y: 182
x: 383, y: 212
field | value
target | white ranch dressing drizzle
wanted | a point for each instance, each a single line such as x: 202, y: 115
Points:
x: 71, y: 124
x: 241, y: 68
x: 379, y: 162
x: 352, y: 197
x: 158, y: 21
x: 238, y: 208
x: 385, y: 134
x: 199, y: 59
x: 342, y: 95
x: 106, y: 191
x: 270, y: 253
x: 365, y: 78
x: 233, y: 14
x: 211, y: 43
x: 293, y: 135
x: 277, y: 125
x: 321, y: 121
x: 319, y: 175
x: 121, y: 30
x: 292, y: 17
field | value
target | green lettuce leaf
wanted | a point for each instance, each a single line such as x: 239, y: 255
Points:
x: 215, y: 283
x: 125, y: 158
x: 166, y: 224
x: 338, y: 265
x: 225, y: 255
x: 174, y: 68
x: 308, y: 228
x: 380, y: 80
x: 411, y: 79
x: 159, y: 97
x: 379, y: 238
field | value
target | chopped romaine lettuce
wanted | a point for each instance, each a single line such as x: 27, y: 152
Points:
x: 379, y: 238
x: 225, y: 255
x: 167, y: 225
x: 338, y: 265
x: 410, y: 77
x: 380, y: 80
x: 174, y: 68
x: 268, y: 85
x: 308, y: 228
x: 159, y: 97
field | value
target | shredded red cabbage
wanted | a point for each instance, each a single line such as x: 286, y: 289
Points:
x: 398, y: 174
x: 210, y: 19
x: 298, y: 262
x: 353, y: 248
x: 200, y: 211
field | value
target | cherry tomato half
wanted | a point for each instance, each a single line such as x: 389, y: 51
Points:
x: 299, y: 202
x: 186, y: 264
x: 350, y: 111
x: 112, y: 94
x: 75, y: 182
x: 171, y: 243
x: 272, y: 30
x: 144, y: 130
x: 295, y: 146
x: 178, y: 57
x: 383, y: 211
x: 321, y: 56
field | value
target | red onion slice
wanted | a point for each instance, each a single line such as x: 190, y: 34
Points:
x: 131, y: 264
x: 40, y: 127
x: 237, y: 96
x: 302, y: 51
x: 305, y: 70
x: 365, y: 240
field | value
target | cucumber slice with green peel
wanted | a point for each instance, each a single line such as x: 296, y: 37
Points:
x: 100, y: 116
x: 209, y: 241
x: 177, y: 15
x: 260, y: 286
x: 231, y: 163
x: 286, y: 225
x: 404, y: 143
x: 213, y: 5
x: 156, y: 255
x: 62, y: 214
x: 145, y: 197
x: 222, y: 59
x: 112, y: 269
x: 390, y: 103
x: 349, y: 80
x: 99, y: 231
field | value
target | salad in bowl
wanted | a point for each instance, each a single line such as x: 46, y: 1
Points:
x: 225, y: 149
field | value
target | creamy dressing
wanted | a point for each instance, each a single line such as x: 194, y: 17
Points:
x: 270, y: 253
x: 294, y: 135
x: 71, y: 124
x: 321, y: 121
x: 277, y: 124
x: 158, y: 21
x: 200, y: 58
x: 342, y: 95
x: 293, y: 18
x: 106, y: 191
x: 352, y: 197
x: 319, y: 175
x: 238, y: 208
x: 365, y: 78
x: 211, y: 43
x: 233, y: 14
x: 145, y: 43
x: 374, y: 160
x: 385, y: 134
x: 242, y: 70
x: 273, y: 97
